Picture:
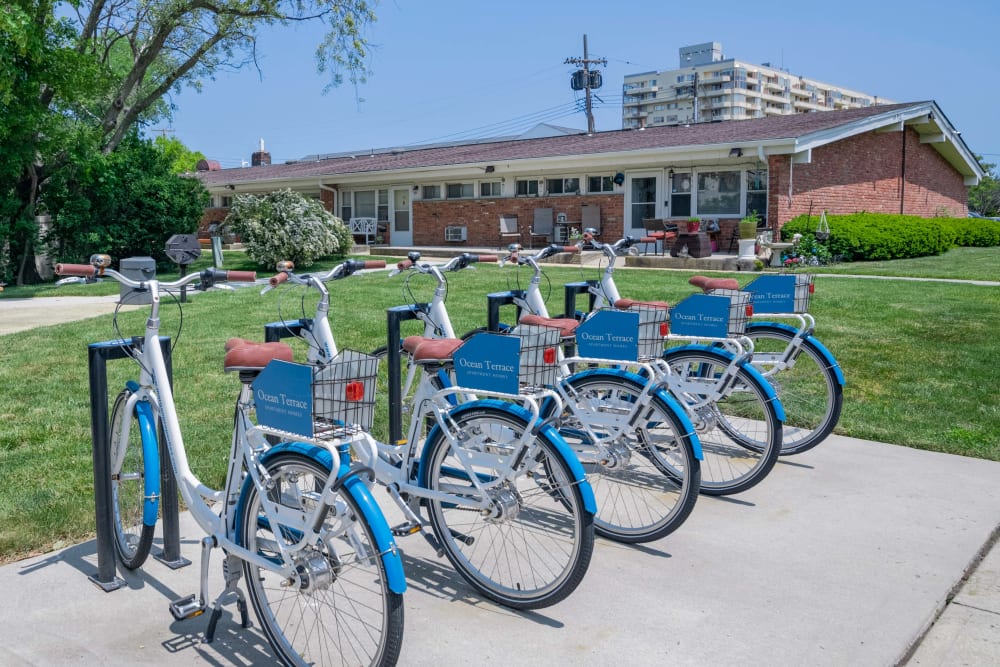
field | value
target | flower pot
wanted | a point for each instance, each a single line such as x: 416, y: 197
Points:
x: 747, y: 247
x: 748, y: 229
x: 693, y: 226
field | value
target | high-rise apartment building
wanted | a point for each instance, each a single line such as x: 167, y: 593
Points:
x: 707, y: 87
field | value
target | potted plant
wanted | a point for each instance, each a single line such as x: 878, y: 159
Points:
x: 693, y: 225
x: 748, y: 236
x: 748, y: 227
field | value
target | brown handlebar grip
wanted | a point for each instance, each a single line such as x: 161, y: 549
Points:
x: 404, y: 265
x: 241, y: 276
x: 82, y: 270
x: 278, y: 279
x: 570, y: 248
x: 374, y: 263
x: 487, y: 258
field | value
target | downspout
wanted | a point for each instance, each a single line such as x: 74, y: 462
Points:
x: 902, y: 174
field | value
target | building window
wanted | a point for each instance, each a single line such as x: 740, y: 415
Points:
x: 600, y: 184
x: 225, y: 201
x: 383, y: 206
x: 364, y: 204
x: 562, y: 186
x: 489, y: 189
x: 719, y: 193
x: 459, y: 190
x: 527, y: 188
x: 431, y: 192
x: 680, y: 195
x: 757, y: 194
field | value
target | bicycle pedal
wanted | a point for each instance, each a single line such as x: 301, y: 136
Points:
x: 187, y: 607
x: 406, y: 528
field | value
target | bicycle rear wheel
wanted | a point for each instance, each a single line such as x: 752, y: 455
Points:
x: 532, y: 548
x: 135, y: 483
x: 809, y: 389
x: 740, y: 434
x: 339, y: 609
x: 646, y: 478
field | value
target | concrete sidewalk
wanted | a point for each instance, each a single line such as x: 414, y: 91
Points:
x: 845, y: 555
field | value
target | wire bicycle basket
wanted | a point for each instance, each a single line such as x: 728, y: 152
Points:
x: 537, y: 362
x: 344, y: 392
x: 654, y: 326
x: 720, y: 314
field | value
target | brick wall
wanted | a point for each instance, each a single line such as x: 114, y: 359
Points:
x: 481, y: 217
x: 866, y: 173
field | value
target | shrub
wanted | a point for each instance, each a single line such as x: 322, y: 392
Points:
x: 879, y: 236
x: 126, y: 204
x: 287, y: 225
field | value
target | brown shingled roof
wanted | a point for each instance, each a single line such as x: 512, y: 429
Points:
x: 676, y: 136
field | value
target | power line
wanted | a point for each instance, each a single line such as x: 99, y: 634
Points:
x: 586, y: 62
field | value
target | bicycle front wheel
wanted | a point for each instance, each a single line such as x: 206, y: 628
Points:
x: 532, y: 546
x: 646, y: 477
x: 808, y: 386
x: 130, y: 472
x: 740, y: 433
x: 339, y: 608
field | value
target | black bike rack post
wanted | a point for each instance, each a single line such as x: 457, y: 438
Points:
x: 395, y: 316
x: 493, y: 303
x: 570, y: 293
x: 275, y: 331
x: 98, y: 355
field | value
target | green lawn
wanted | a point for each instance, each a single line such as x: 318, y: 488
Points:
x: 920, y: 359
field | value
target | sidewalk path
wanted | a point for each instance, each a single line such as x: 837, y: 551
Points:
x: 844, y: 555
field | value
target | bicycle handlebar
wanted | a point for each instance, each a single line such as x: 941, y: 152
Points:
x: 454, y: 264
x: 208, y: 277
x: 342, y: 270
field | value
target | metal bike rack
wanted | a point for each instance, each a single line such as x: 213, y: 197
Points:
x: 570, y: 293
x: 98, y: 355
x: 493, y: 303
x: 395, y: 316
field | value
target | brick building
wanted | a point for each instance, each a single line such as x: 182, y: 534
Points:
x: 899, y: 158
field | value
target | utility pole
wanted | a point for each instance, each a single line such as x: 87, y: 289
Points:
x: 582, y: 79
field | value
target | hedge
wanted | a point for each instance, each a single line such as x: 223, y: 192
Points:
x: 880, y: 236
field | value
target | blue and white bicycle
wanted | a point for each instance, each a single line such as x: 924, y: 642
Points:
x: 295, y: 520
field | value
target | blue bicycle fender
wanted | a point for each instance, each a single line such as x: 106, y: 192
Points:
x: 769, y: 392
x: 662, y: 393
x: 548, y: 431
x: 827, y: 356
x: 384, y: 540
x: 150, y: 461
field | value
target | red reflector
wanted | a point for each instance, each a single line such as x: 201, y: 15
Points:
x: 664, y: 328
x: 549, y: 355
x: 812, y: 288
x: 354, y: 391
x: 750, y: 310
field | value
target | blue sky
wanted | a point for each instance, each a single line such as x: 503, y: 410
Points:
x: 445, y: 70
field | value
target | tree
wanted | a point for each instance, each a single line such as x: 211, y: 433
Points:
x: 126, y: 203
x: 287, y: 225
x: 984, y: 198
x: 182, y: 159
x: 72, y: 85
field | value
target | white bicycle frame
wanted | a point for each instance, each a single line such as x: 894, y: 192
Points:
x: 697, y: 396
x: 247, y: 445
x: 381, y: 457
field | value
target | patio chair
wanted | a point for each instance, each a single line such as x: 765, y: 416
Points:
x: 510, y: 232
x: 542, y: 226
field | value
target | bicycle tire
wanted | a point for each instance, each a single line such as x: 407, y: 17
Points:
x: 649, y: 481
x: 810, y: 390
x: 740, y: 435
x: 341, y: 604
x: 544, y: 532
x: 135, y: 484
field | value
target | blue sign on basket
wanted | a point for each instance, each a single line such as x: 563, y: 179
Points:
x: 773, y: 294
x: 701, y: 315
x: 609, y: 334
x: 488, y: 362
x: 282, y: 394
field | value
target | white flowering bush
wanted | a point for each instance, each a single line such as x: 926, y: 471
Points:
x: 287, y: 225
